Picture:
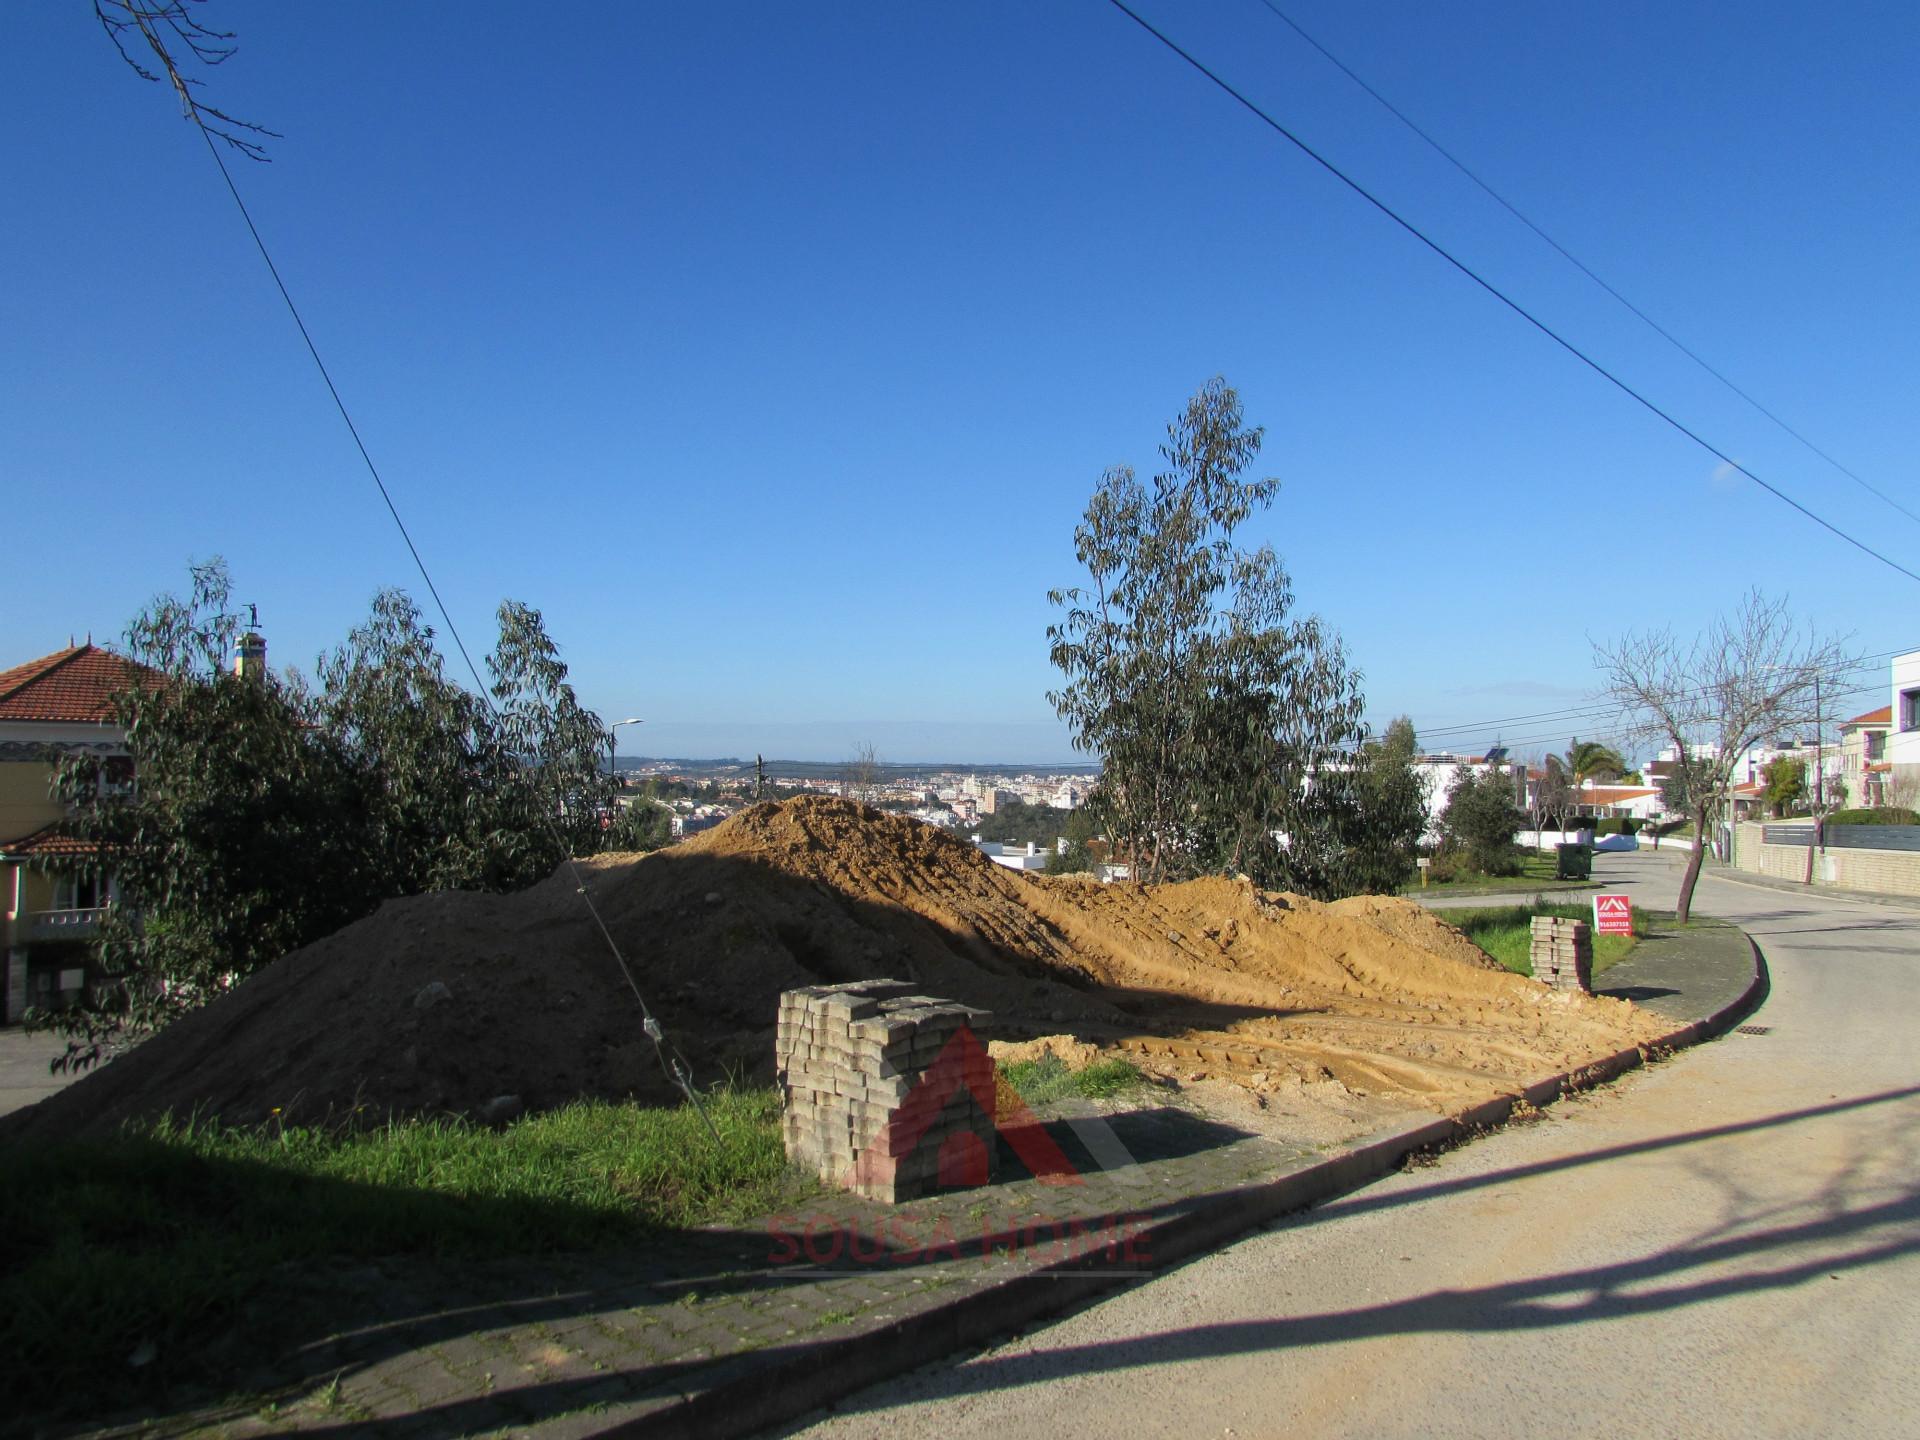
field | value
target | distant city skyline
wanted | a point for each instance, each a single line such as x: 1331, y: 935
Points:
x: 922, y: 743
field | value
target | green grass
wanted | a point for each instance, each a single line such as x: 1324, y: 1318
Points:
x: 1536, y: 873
x: 1504, y: 932
x: 1048, y: 1078
x: 176, y: 1233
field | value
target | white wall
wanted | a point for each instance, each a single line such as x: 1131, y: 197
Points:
x: 1437, y: 773
x: 1903, y: 746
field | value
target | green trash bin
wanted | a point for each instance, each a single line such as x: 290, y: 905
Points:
x: 1572, y: 862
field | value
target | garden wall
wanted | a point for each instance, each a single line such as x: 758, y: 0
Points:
x: 1889, y: 872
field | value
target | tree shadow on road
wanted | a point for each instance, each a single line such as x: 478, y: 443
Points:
x: 1846, y: 1224
x: 1772, y: 1253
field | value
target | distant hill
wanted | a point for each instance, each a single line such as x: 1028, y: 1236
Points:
x: 834, y: 769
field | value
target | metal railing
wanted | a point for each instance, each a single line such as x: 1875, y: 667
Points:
x: 1846, y: 837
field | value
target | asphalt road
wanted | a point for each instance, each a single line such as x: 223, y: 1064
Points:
x: 1727, y: 1244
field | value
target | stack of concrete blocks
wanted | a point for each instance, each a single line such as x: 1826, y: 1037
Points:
x: 1562, y: 953
x: 885, y: 1092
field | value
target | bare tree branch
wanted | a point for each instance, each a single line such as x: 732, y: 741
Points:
x: 158, y: 22
x: 1747, y: 679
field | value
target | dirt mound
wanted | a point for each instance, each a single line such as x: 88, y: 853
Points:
x: 444, y: 1002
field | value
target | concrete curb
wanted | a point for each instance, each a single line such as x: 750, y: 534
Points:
x: 770, y: 1389
x: 1720, y: 870
x: 1825, y: 892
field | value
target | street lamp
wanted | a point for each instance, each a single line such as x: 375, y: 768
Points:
x: 613, y: 741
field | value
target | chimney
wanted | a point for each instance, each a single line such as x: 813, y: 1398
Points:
x: 250, y: 651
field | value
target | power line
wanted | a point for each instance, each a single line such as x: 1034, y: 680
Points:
x: 1554, y: 736
x: 1528, y: 741
x: 676, y: 1068
x: 1579, y: 264
x: 1601, y: 708
x: 1497, y: 293
x: 1597, y: 712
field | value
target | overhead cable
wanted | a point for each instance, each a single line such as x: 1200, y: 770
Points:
x: 672, y: 1062
x: 1593, y: 708
x: 1497, y: 293
x: 1578, y: 264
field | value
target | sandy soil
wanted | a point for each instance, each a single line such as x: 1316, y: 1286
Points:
x: 444, y: 1002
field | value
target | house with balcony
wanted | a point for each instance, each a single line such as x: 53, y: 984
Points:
x: 54, y: 890
x: 1864, y: 765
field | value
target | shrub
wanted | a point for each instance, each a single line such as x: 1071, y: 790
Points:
x: 1876, y: 815
x: 1480, y: 822
x: 1451, y: 864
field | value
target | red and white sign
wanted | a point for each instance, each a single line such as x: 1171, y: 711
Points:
x: 1612, y: 915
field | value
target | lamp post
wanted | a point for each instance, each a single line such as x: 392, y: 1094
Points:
x: 613, y: 742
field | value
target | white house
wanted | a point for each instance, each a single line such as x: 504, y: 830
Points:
x: 1863, y: 756
x: 1903, y: 740
x: 1015, y: 857
x: 1437, y: 774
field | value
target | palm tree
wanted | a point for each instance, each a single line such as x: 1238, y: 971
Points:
x: 1589, y: 760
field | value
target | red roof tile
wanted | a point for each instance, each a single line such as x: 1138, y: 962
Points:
x: 45, y: 843
x: 1882, y: 716
x: 73, y: 686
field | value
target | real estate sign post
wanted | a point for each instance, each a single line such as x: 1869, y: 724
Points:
x: 1612, y: 915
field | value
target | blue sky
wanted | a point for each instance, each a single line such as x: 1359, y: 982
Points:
x: 772, y: 351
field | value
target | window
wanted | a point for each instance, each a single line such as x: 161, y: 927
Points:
x: 76, y: 892
x: 116, y: 777
x: 1910, y: 710
x: 1876, y: 745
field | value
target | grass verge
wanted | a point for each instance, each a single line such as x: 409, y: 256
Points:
x: 1504, y: 932
x: 1537, y: 872
x: 167, y: 1237
x: 1048, y: 1078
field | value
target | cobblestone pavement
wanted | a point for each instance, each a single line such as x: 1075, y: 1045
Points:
x: 724, y: 1333
x: 575, y: 1347
x: 24, y: 1077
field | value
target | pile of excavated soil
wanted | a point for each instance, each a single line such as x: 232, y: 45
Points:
x: 446, y: 1002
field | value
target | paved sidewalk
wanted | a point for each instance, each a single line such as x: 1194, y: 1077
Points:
x: 1685, y: 975
x: 24, y: 1074
x: 736, y: 1330
x: 1722, y: 871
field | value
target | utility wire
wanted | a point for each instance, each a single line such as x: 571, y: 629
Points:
x: 1526, y: 742
x: 1600, y: 708
x: 1596, y: 712
x: 672, y: 1062
x: 1844, y: 667
x: 1577, y: 263
x: 1553, y: 736
x: 1500, y: 295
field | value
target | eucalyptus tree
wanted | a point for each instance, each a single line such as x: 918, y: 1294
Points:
x: 268, y: 812
x: 564, y: 798
x: 1230, y: 733
x: 243, y: 836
